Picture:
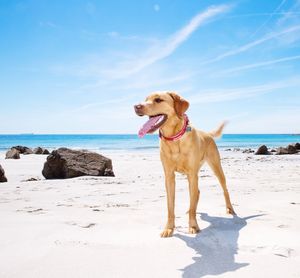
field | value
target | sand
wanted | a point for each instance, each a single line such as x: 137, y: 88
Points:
x: 109, y: 227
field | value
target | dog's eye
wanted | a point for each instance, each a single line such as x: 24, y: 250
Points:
x: 158, y: 100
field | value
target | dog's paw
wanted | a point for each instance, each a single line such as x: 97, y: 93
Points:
x: 194, y: 230
x: 230, y: 211
x: 167, y: 233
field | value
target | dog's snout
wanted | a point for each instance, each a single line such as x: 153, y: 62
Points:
x: 139, y: 109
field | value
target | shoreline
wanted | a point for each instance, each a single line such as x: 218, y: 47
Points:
x: 125, y: 142
x: 155, y: 150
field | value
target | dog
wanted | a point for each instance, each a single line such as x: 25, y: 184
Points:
x: 183, y: 149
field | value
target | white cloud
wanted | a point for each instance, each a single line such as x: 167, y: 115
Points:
x: 128, y: 66
x: 169, y: 45
x: 289, y: 13
x: 269, y: 18
x: 292, y: 15
x: 260, y: 64
x: 252, y: 44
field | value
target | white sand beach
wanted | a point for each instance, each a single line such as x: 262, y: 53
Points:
x: 109, y: 227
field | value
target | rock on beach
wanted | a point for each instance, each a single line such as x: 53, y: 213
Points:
x: 65, y: 163
x: 262, y: 150
x: 23, y: 149
x: 2, y: 175
x: 12, y: 154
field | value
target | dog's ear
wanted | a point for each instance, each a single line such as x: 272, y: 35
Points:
x: 180, y: 104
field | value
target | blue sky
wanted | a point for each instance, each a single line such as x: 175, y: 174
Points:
x: 79, y: 66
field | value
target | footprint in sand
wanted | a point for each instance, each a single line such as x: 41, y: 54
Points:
x: 282, y: 226
x: 36, y: 211
x: 32, y: 210
x: 64, y: 205
x: 31, y: 179
x: 98, y: 210
x: 284, y: 252
x: 85, y: 226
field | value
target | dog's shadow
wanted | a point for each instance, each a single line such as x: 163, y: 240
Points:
x: 215, y: 246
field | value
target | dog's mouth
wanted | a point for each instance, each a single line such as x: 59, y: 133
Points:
x: 154, y: 123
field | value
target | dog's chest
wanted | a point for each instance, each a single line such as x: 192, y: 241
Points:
x: 177, y: 159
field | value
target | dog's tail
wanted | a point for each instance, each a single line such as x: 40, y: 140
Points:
x: 218, y: 132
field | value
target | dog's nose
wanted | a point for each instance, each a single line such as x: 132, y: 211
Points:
x: 138, y: 109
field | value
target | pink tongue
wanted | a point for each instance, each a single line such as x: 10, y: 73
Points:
x: 148, y: 125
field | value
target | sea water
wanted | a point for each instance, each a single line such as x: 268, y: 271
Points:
x: 131, y: 142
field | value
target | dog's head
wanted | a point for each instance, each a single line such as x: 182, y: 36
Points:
x: 160, y: 107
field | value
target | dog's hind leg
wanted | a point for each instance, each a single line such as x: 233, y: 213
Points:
x: 213, y: 160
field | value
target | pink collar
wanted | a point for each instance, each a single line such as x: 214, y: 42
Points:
x: 179, y: 134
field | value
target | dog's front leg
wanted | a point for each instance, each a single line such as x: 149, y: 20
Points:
x: 170, y: 188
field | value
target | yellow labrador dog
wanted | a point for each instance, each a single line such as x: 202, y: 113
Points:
x: 183, y: 149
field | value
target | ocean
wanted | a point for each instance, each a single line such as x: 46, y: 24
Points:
x: 133, y: 143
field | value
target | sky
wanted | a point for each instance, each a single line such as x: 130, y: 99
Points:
x: 80, y: 66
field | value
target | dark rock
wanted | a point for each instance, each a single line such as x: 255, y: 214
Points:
x: 290, y: 149
x: 2, y: 175
x: 248, y: 151
x: 262, y: 150
x: 12, y: 154
x: 65, y: 163
x: 297, y: 146
x: 28, y: 151
x: 273, y: 151
x: 40, y: 150
x: 45, y: 151
x: 282, y: 150
x: 23, y: 149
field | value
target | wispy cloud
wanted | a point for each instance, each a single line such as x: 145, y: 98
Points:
x: 288, y: 14
x: 268, y: 19
x: 292, y: 15
x: 170, y: 44
x: 127, y: 64
x: 104, y: 104
x: 252, y: 44
x: 222, y: 95
x: 261, y: 64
